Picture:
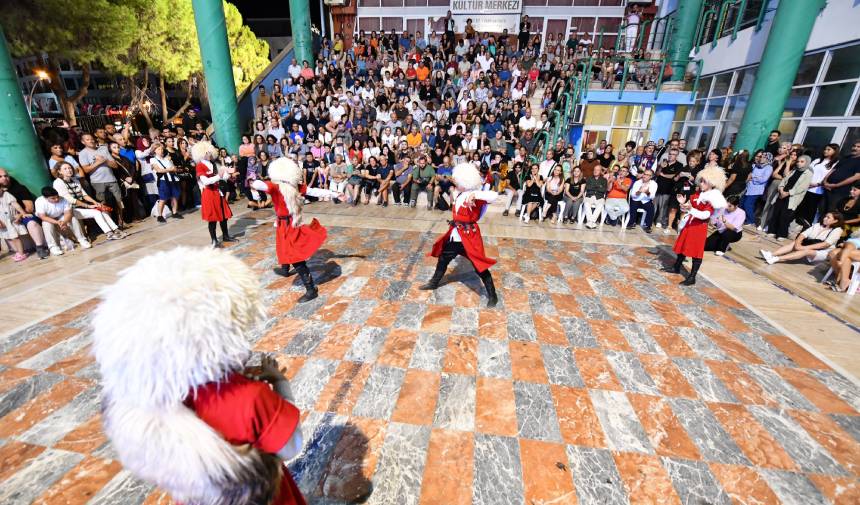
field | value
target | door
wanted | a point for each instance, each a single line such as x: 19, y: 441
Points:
x: 591, y: 137
x: 814, y: 135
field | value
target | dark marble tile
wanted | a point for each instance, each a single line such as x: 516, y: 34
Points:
x: 695, y: 483
x: 396, y: 290
x: 639, y: 338
x: 561, y: 366
x: 802, y: 448
x: 59, y: 423
x: 645, y: 312
x: 591, y: 307
x: 541, y: 303
x: 387, y: 270
x: 41, y: 473
x: 455, y: 409
x: 536, y: 416
x: 843, y: 387
x: 530, y: 267
x: 351, y: 287
x: 307, y: 339
x: 764, y: 350
x: 697, y: 315
x: 556, y: 284
x: 429, y: 352
x: 631, y: 373
x: 367, y: 344
x: 619, y: 421
x: 321, y: 432
x: 23, y: 336
x: 570, y: 270
x: 410, y: 316
x: 307, y: 309
x: 398, y: 477
x: 57, y: 352
x: 521, y: 327
x: 777, y: 388
x: 578, y: 332
x: 124, y: 488
x: 446, y: 294
x: 793, y: 488
x: 754, y: 321
x: 26, y: 390
x: 603, y: 288
x: 513, y: 281
x: 706, y: 432
x: 595, y: 476
x: 649, y: 291
x: 380, y: 393
x: 464, y: 321
x: 310, y: 381
x: 709, y: 387
x: 851, y: 424
x: 497, y: 476
x: 701, y: 343
x: 358, y: 311
x: 618, y: 260
x: 494, y: 359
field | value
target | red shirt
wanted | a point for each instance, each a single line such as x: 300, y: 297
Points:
x: 246, y: 411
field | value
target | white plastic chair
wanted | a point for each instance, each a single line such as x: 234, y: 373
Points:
x: 855, y: 278
x: 524, y: 217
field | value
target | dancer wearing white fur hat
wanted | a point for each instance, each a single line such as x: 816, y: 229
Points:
x: 182, y: 410
x: 463, y: 237
x: 295, y: 242
x: 213, y: 205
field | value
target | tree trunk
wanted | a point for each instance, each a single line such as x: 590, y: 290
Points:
x: 163, y: 93
x: 58, y: 86
x: 184, y: 105
x: 144, y: 100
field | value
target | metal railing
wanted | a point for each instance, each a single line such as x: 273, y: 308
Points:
x: 643, y: 44
x: 727, y: 18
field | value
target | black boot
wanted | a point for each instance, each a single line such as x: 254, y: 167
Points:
x: 284, y: 271
x: 441, y: 266
x: 216, y: 244
x: 308, y: 281
x: 691, y: 279
x: 492, y: 299
x: 676, y: 268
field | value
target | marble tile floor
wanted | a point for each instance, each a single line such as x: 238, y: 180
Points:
x: 598, y: 381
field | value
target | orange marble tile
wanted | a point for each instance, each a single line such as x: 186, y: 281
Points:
x: 448, y: 469
x: 342, y: 390
x: 330, y: 286
x: 37, y: 345
x: 546, y: 476
x: 579, y: 285
x: 754, y: 440
x: 665, y: 432
x: 383, y: 315
x: 839, y: 490
x: 596, y: 370
x: 11, y: 377
x: 618, y: 309
x: 279, y: 335
x: 549, y: 330
x: 566, y: 305
x: 15, y: 456
x: 365, y: 269
x: 81, y: 483
x: 514, y: 297
x: 727, y: 320
x: 414, y: 294
x: 332, y: 310
x: 84, y: 439
x: 286, y: 301
x: 624, y: 288
x: 670, y: 341
x: 398, y: 347
x: 24, y: 417
x: 290, y: 365
x: 465, y: 297
x: 158, y: 497
x: 495, y: 407
x: 722, y: 298
x: 667, y: 376
x: 744, y: 387
x: 609, y: 336
x: 576, y: 417
x: 796, y: 352
x: 374, y: 288
x: 418, y: 395
x: 69, y: 315
x: 492, y: 324
x: 527, y: 362
x: 461, y: 357
x: 671, y: 315
x: 437, y: 319
x: 744, y: 485
x: 73, y: 363
x: 353, y: 461
x: 840, y: 444
x: 337, y: 341
x: 816, y: 392
x: 646, y: 480
x: 733, y: 347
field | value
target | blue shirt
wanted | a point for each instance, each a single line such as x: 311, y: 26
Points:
x: 759, y: 179
x: 445, y: 171
x: 492, y: 128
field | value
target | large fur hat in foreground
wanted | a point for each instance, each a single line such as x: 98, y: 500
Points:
x: 202, y: 148
x: 716, y: 176
x: 173, y: 321
x: 466, y: 177
x: 285, y: 170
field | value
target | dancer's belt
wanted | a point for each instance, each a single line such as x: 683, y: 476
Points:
x: 464, y: 226
x: 288, y: 219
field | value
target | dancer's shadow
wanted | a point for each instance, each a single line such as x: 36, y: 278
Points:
x: 324, y: 269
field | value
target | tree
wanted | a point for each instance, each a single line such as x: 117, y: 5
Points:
x: 84, y: 32
x: 250, y: 55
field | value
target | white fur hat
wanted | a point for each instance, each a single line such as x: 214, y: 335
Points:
x: 285, y: 170
x: 467, y: 177
x: 715, y: 176
x: 201, y: 148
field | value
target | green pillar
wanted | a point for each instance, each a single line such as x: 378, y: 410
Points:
x: 786, y: 43
x: 218, y: 68
x: 19, y: 148
x: 300, y: 22
x: 683, y: 33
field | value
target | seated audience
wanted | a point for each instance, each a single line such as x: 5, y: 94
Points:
x: 728, y: 224
x: 813, y: 243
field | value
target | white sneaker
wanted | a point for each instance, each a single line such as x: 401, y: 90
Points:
x: 56, y: 251
x: 759, y: 228
x: 719, y: 253
x: 771, y: 259
x: 764, y: 254
x: 85, y: 244
x: 666, y: 231
x: 658, y: 225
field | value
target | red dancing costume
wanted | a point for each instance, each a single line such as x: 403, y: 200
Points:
x: 293, y: 244
x: 213, y: 206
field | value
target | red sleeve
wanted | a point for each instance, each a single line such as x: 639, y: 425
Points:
x: 275, y: 419
x: 202, y: 169
x: 271, y: 187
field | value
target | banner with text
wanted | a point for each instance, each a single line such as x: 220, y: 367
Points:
x: 491, y: 16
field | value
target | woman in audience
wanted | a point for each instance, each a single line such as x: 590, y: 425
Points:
x: 812, y: 201
x: 616, y: 199
x: 532, y: 197
x: 756, y: 184
x: 789, y: 195
x: 85, y: 206
x: 553, y: 191
x: 814, y: 243
x: 574, y: 190
x: 782, y: 163
x: 728, y: 224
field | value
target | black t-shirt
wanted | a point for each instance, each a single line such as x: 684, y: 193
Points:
x: 740, y: 183
x: 605, y: 161
x: 19, y: 191
x: 665, y: 186
x: 846, y: 168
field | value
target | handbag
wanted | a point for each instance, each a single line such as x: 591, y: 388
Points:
x: 811, y: 241
x: 148, y: 178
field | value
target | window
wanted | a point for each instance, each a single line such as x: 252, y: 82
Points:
x: 368, y: 24
x: 844, y: 64
x: 817, y: 137
x: 745, y: 80
x: 715, y: 108
x: 796, y: 103
x: 722, y: 82
x: 736, y: 106
x: 598, y: 114
x: 704, y: 87
x: 852, y: 135
x: 631, y: 115
x: 788, y: 127
x: 71, y: 84
x: 808, y: 71
x: 833, y: 99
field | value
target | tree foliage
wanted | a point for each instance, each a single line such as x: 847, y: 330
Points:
x: 250, y: 55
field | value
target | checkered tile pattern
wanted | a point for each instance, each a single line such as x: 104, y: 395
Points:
x: 599, y: 381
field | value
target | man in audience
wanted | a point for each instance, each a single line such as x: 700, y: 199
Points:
x: 642, y: 198
x: 58, y: 221
x: 595, y: 197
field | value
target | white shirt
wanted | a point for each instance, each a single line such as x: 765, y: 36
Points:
x: 819, y: 170
x: 485, y: 62
x: 278, y: 132
x: 546, y: 167
x: 647, y: 194
x: 487, y: 196
x: 44, y: 207
x: 295, y: 72
x: 470, y: 145
x: 527, y: 123
x: 336, y: 112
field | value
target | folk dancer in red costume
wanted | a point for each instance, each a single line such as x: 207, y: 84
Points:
x: 213, y: 205
x: 295, y: 242
x: 707, y: 199
x: 181, y: 409
x: 463, y: 237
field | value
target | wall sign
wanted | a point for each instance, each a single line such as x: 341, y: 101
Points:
x: 491, y: 16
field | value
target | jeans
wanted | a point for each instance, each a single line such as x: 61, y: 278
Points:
x: 648, y: 207
x: 720, y: 241
x: 417, y: 188
x: 571, y: 208
x: 749, y: 202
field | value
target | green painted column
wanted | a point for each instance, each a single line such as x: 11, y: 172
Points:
x: 300, y: 22
x: 218, y: 68
x: 777, y: 70
x: 19, y: 148
x: 683, y: 33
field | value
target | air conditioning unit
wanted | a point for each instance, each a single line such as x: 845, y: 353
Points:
x: 578, y: 115
x: 335, y: 3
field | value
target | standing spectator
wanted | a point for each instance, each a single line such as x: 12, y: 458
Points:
x: 738, y: 174
x: 641, y: 197
x: 782, y: 164
x: 58, y: 155
x: 838, y: 182
x: 790, y: 194
x: 728, y: 224
x: 773, y: 143
x: 756, y: 184
x: 667, y: 176
x: 812, y: 202
x: 168, y: 183
x: 98, y: 164
x: 632, y: 28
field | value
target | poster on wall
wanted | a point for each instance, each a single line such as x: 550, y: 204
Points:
x: 493, y: 16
